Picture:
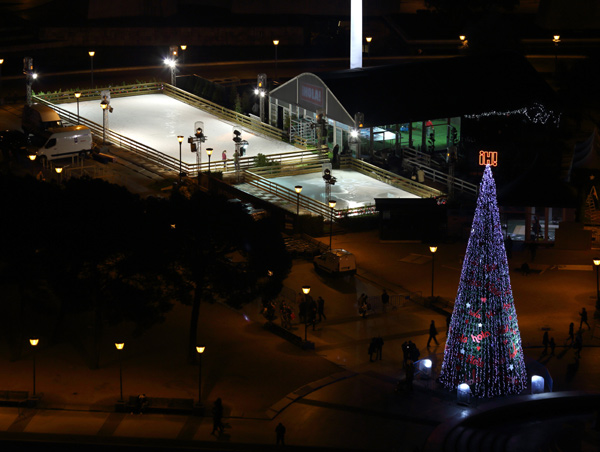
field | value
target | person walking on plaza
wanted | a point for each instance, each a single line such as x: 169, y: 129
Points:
x: 224, y: 155
x: 410, y: 375
x: 280, y: 434
x: 385, y: 299
x: 545, y: 342
x: 432, y: 333
x: 584, y: 318
x: 552, y: 346
x: 372, y: 349
x: 571, y: 332
x: 217, y: 413
x: 321, y: 308
x: 379, y: 347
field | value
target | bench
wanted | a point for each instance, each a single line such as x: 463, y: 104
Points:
x: 161, y: 405
x: 13, y: 398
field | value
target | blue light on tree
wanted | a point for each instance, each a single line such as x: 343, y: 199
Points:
x: 484, y: 348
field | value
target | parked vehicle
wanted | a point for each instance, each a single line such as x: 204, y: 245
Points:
x: 337, y: 262
x: 65, y: 142
x: 38, y: 119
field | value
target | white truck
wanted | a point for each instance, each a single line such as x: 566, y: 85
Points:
x: 64, y: 142
x: 337, y: 262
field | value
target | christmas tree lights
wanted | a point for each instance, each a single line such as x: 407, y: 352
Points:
x: 484, y: 348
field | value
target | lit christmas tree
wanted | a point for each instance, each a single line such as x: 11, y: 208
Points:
x: 483, y: 348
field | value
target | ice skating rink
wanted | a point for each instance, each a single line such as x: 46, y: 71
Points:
x: 156, y: 120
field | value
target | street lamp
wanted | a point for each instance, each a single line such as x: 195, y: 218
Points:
x: 276, y: 43
x: 59, y: 170
x: 200, y: 350
x: 91, y: 53
x: 119, y: 346
x: 305, y: 290
x: 298, y: 189
x: 433, y: 249
x: 104, y: 106
x: 597, y: 313
x: 556, y: 41
x: 180, y: 139
x: 464, y: 42
x: 34, y: 341
x: 331, y: 206
x: 32, y: 156
x: 1, y: 62
x: 209, y: 151
x: 77, y: 96
x: 172, y: 64
x: 368, y: 45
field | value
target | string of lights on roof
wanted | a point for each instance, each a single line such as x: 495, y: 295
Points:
x: 537, y: 113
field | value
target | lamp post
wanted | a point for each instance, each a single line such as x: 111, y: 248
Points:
x: 119, y: 346
x: 368, y: 45
x: 200, y: 350
x: 305, y: 290
x: 59, y: 170
x: 91, y: 53
x: 209, y: 152
x: 331, y: 206
x: 556, y: 41
x: 104, y: 106
x: 34, y: 341
x: 183, y: 48
x: 298, y: 189
x: 180, y: 139
x: 597, y: 312
x: 77, y: 96
x: 276, y: 43
x: 433, y: 249
x: 1, y: 63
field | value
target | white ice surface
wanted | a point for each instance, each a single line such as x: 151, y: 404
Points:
x: 352, y: 189
x: 156, y: 120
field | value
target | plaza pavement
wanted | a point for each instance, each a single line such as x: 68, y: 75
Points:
x: 332, y: 397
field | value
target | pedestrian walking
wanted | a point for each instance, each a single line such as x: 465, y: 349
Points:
x: 379, y: 349
x: 224, y: 155
x: 280, y: 434
x: 405, y: 353
x: 321, y: 308
x: 312, y: 311
x: 385, y: 299
x: 414, y: 351
x: 217, y: 413
x: 552, y: 345
x: 432, y: 333
x: 584, y: 318
x: 372, y: 348
x: 508, y: 246
x: 410, y: 375
x: 236, y: 160
x: 545, y: 342
x: 571, y: 332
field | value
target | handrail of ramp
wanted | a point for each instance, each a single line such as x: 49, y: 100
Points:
x: 390, y: 178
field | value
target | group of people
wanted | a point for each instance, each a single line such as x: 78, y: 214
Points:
x: 376, y: 348
x: 310, y: 311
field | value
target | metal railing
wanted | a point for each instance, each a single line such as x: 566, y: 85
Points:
x: 224, y: 113
x: 416, y: 159
x: 390, y: 178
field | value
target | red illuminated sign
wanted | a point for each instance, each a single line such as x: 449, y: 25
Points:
x: 312, y: 94
x: 488, y: 158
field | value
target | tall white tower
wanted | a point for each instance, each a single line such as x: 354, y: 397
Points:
x: 356, y: 34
